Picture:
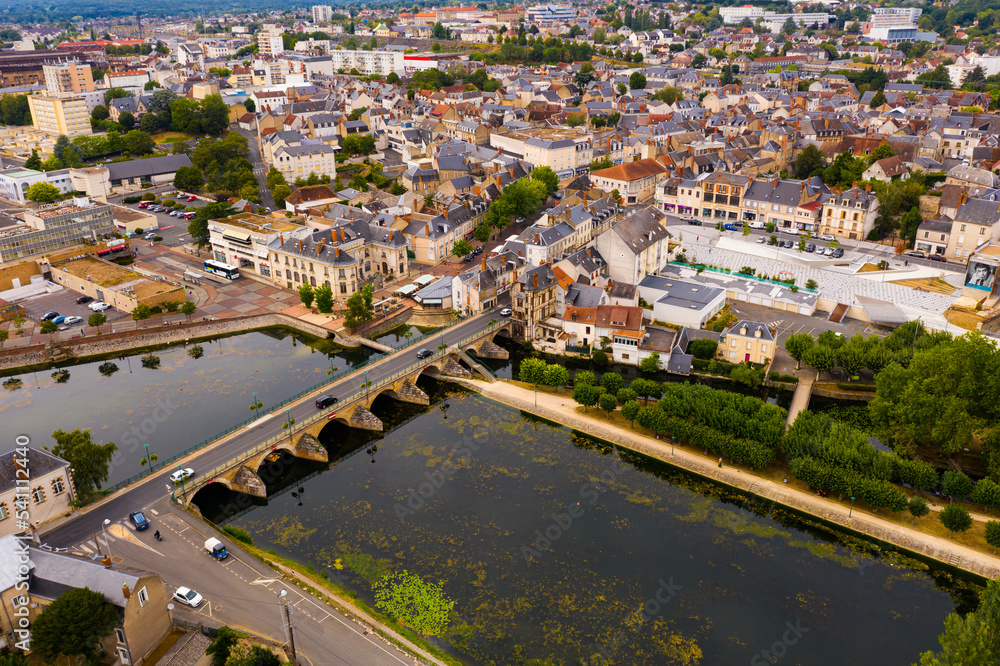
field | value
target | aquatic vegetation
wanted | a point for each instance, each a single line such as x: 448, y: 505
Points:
x: 60, y: 376
x: 13, y: 383
x: 416, y: 603
x: 196, y: 352
x: 107, y: 368
x: 151, y: 361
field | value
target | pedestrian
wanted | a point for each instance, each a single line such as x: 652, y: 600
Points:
x: 720, y: 462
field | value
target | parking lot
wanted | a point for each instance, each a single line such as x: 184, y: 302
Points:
x: 172, y: 229
x: 64, y: 302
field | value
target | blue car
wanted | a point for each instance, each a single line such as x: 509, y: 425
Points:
x: 58, y: 320
x: 729, y: 227
x: 139, y: 520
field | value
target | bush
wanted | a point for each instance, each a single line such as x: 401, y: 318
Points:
x: 956, y: 485
x: 955, y: 518
x: 148, y: 196
x: 703, y: 348
x: 599, y: 357
x: 169, y: 203
x: 158, y: 239
x: 720, y: 368
x: 156, y: 309
x: 987, y: 493
x: 700, y: 364
x: 131, y: 200
x: 856, y: 387
x: 239, y: 534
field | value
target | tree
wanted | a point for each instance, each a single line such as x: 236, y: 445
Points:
x: 126, y: 120
x: 532, y: 371
x: 612, y: 382
x: 798, y: 345
x: 392, y: 78
x: 993, y: 533
x: 198, y: 226
x: 584, y: 377
x: 747, y: 375
x: 53, y: 163
x: 280, y: 193
x: 42, y: 192
x: 556, y: 376
x: 974, y: 639
x: 33, y: 162
x: 62, y: 143
x: 668, y: 95
x: 461, y: 248
x: 956, y: 485
x: 141, y: 312
x: 115, y: 93
x: 357, y: 311
x: 699, y: 61
x: 650, y: 364
x: 4, y: 335
x: 821, y: 358
x: 89, y: 461
x: 435, y: 47
x: 630, y: 410
x: 96, y: 320
x: 975, y: 78
x: 637, y: 81
x: 586, y: 395
x: 955, y: 518
x: 608, y: 402
x: 547, y: 177
x: 214, y: 115
x: 621, y: 88
x: 188, y: 308
x: 250, y: 105
x: 324, y: 300
x: 909, y: 223
x: 73, y: 626
x: 49, y: 327
x: 189, y: 179
x: 703, y: 348
x: 306, y: 295
x: 808, y: 162
x: 225, y: 640
x: 918, y: 507
x: 139, y: 143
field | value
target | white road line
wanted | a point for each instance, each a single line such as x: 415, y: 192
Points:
x: 84, y: 548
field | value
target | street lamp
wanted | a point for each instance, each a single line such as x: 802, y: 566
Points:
x: 851, y: 512
x: 288, y: 424
x: 332, y: 369
x: 672, y: 438
x: 107, y: 542
x: 149, y: 461
x: 255, y: 408
x: 183, y: 484
x: 287, y: 621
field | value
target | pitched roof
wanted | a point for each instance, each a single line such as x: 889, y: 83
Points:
x: 631, y: 170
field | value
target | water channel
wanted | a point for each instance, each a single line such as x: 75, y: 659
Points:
x: 644, y: 564
x: 182, y: 402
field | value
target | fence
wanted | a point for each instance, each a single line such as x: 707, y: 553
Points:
x: 737, y: 274
x: 308, y: 423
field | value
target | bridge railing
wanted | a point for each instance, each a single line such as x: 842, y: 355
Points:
x: 363, y: 391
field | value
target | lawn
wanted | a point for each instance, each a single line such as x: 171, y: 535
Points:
x: 173, y: 137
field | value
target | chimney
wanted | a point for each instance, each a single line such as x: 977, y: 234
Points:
x: 319, y: 247
x: 536, y: 239
x: 534, y: 281
x: 300, y: 245
x: 282, y: 236
x: 427, y: 230
x: 868, y: 187
x: 127, y: 593
x: 444, y: 213
x: 342, y: 239
x: 484, y: 264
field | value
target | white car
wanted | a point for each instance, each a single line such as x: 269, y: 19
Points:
x: 72, y: 320
x: 505, y: 312
x: 188, y: 597
x: 99, y: 306
x: 827, y: 237
x: 182, y: 474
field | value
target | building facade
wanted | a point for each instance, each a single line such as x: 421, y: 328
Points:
x: 68, y: 78
x: 850, y: 214
x: 59, y: 115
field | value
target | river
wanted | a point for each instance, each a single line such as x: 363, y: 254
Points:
x: 558, y: 548
x: 182, y: 402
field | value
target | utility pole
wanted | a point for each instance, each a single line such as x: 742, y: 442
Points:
x: 291, y: 636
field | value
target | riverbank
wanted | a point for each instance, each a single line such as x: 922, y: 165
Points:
x: 41, y: 356
x: 562, y: 410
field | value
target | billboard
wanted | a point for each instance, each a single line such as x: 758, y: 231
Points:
x: 980, y: 275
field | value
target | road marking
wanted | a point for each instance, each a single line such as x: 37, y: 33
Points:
x: 264, y: 581
x: 154, y: 512
x: 85, y: 548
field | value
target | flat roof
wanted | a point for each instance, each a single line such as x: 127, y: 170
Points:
x: 123, y: 214
x: 253, y: 222
x: 114, y: 277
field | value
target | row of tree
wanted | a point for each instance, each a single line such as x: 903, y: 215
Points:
x: 519, y: 199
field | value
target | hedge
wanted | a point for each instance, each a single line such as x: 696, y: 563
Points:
x: 856, y: 387
x: 876, y: 493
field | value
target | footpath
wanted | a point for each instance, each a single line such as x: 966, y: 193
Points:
x: 563, y: 410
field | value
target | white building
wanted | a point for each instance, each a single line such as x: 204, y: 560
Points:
x: 680, y: 302
x: 736, y: 15
x: 322, y: 13
x: 296, y: 161
x: 269, y: 44
x: 368, y: 62
x: 130, y: 79
x: 46, y: 496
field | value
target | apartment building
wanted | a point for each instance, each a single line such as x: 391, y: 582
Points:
x: 635, y: 181
x: 721, y: 196
x: 244, y: 240
x: 636, y: 246
x: 533, y: 300
x: 567, y: 151
x: 341, y: 256
x: 785, y: 203
x: 49, y: 494
x: 850, y: 214
x: 59, y: 115
x: 322, y: 13
x: 296, y: 161
x: 368, y: 62
x: 431, y: 238
x: 129, y: 79
x: 67, y: 78
x: 977, y: 221
x: 747, y: 342
x: 269, y: 44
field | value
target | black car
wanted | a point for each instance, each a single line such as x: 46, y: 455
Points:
x: 325, y: 401
x: 810, y: 247
x: 838, y: 253
x: 424, y: 353
x: 84, y: 299
x: 693, y: 222
x: 49, y: 315
x: 139, y: 520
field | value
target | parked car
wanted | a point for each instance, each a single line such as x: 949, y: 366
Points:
x: 838, y: 253
x: 49, y: 315
x: 827, y: 251
x: 505, y: 312
x: 916, y: 253
x: 83, y: 299
x: 694, y: 222
x: 58, y: 320
x: 139, y: 520
x: 191, y: 198
x: 424, y: 353
x: 188, y: 597
x: 729, y: 227
x: 810, y: 247
x: 216, y: 549
x: 99, y: 306
x: 936, y: 257
x: 325, y: 401
x: 828, y: 237
x: 182, y: 474
x: 761, y: 239
x: 73, y: 319
x: 150, y: 236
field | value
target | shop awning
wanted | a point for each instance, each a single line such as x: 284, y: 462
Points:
x: 407, y: 290
x: 881, y: 312
x: 241, y: 236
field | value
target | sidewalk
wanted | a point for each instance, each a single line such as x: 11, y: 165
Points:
x: 563, y: 410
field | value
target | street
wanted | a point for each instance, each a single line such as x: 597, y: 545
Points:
x: 241, y: 591
x: 259, y: 169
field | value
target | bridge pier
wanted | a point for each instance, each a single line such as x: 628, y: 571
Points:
x: 364, y: 419
x: 246, y: 481
x: 489, y: 349
x: 309, y: 448
x: 455, y: 369
x: 407, y: 391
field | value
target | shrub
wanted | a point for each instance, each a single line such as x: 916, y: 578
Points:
x: 856, y: 387
x: 700, y: 364
x: 131, y: 200
x: 703, y: 348
x: 158, y: 239
x: 169, y: 203
x: 956, y: 485
x: 955, y: 518
x: 148, y: 196
x: 239, y: 534
x: 987, y: 493
x: 156, y: 309
x: 721, y: 368
x: 599, y: 357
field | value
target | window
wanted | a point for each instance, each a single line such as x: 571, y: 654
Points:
x: 143, y: 597
x: 732, y: 354
x: 120, y: 635
x: 57, y: 487
x: 962, y: 228
x: 749, y: 346
x: 4, y: 514
x: 39, y: 494
x: 123, y: 655
x: 763, y: 347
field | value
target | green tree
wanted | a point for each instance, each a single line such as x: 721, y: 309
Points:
x: 188, y: 308
x: 808, y: 162
x: 214, y: 115
x: 49, y: 327
x: 306, y: 295
x: 96, y: 320
x: 612, y: 382
x: 909, y: 223
x: 956, y: 485
x: 703, y: 348
x: 637, y: 81
x: 357, y: 311
x: 747, y: 375
x: 42, y: 192
x: 88, y: 460
x: 584, y: 377
x: 955, y: 518
x: 993, y: 533
x: 461, y: 248
x: 139, y: 143
x: 630, y: 410
x: 918, y: 507
x: 608, y: 403
x: 188, y: 179
x: 250, y: 105
x: 699, y: 61
x: 100, y: 112
x: 115, y: 93
x: 547, y: 177
x: 650, y: 364
x: 34, y: 161
x: 72, y: 626
x: 126, y: 120
x: 53, y: 163
x: 225, y: 640
x: 532, y: 371
x: 556, y: 376
x: 974, y: 639
x: 198, y: 226
x: 586, y: 395
x: 141, y: 312
x: 646, y: 388
x: 877, y: 100
x: 821, y: 358
x: 4, y: 335
x: 324, y: 303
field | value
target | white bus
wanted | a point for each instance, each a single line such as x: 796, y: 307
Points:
x: 213, y: 267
